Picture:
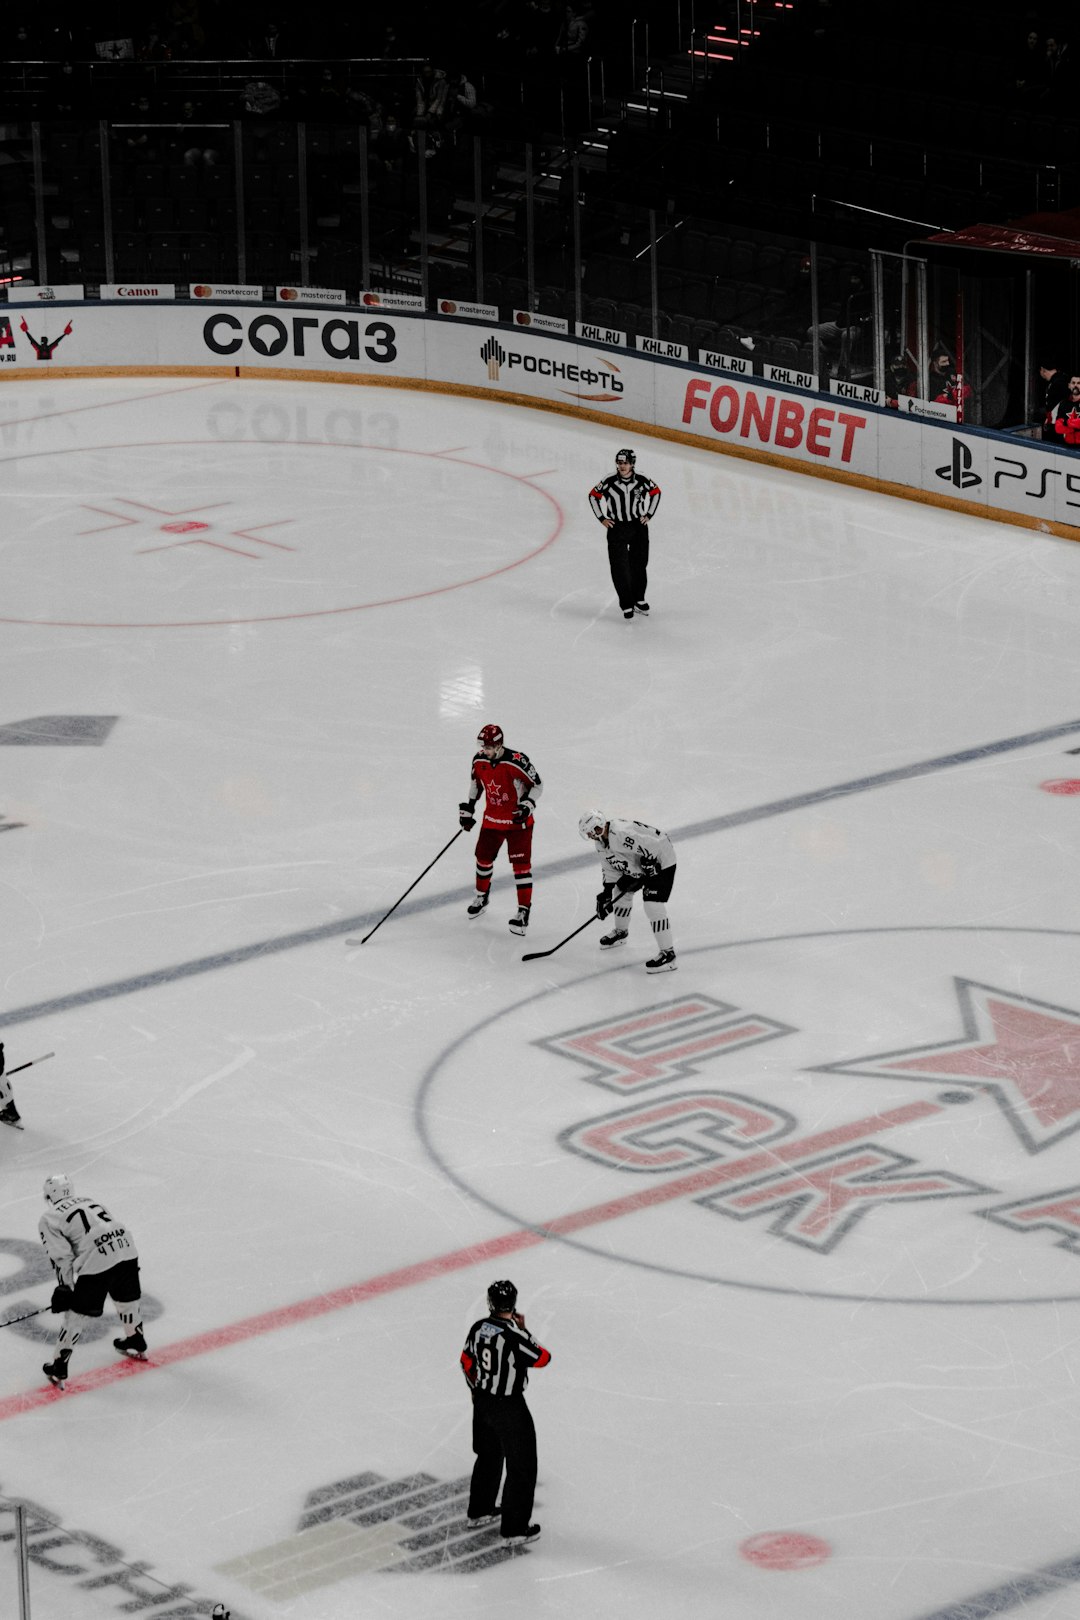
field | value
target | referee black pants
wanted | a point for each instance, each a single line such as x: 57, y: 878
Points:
x: 503, y: 1433
x: 628, y: 555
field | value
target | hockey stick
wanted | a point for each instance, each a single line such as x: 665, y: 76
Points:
x: 11, y: 1321
x: 29, y: 1065
x: 409, y: 890
x: 532, y: 956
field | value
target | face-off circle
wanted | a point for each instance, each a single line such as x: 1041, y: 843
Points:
x: 886, y: 1114
x: 282, y: 529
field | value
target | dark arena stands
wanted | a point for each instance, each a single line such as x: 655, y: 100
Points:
x: 877, y: 193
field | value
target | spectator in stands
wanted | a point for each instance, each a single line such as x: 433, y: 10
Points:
x: 1031, y: 69
x: 1066, y: 419
x: 1055, y: 388
x: 839, y: 327
x: 899, y: 379
x: 390, y: 145
x: 267, y: 43
x: 461, y: 102
x: 573, y: 33
x: 153, y: 48
x: 430, y: 91
x: 945, y: 385
x: 941, y: 364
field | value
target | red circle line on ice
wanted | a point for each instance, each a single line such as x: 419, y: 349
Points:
x: 1061, y: 784
x: 785, y: 1549
x: 454, y: 460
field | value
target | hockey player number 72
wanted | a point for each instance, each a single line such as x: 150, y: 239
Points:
x: 99, y: 1211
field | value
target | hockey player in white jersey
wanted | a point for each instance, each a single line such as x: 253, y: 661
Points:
x: 94, y: 1256
x: 635, y: 856
x: 9, y: 1114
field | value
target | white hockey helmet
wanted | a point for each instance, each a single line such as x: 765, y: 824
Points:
x: 591, y: 825
x: 57, y: 1187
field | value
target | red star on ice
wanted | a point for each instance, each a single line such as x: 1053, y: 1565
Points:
x: 1023, y: 1053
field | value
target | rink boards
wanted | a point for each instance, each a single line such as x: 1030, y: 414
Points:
x: 960, y: 467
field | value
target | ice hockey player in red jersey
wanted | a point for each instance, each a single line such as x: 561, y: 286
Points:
x: 511, y: 786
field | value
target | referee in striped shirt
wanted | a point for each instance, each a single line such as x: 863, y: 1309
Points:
x: 624, y: 503
x: 496, y: 1360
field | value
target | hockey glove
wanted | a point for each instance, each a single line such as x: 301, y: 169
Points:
x: 523, y: 812
x: 62, y: 1298
x: 466, y: 817
x: 605, y: 905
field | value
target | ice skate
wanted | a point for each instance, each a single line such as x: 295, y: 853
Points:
x: 618, y: 936
x: 522, y: 1538
x: 134, y: 1346
x: 477, y: 905
x: 481, y: 1521
x: 9, y: 1115
x: 520, y: 921
x: 642, y: 607
x: 664, y: 963
x: 57, y: 1371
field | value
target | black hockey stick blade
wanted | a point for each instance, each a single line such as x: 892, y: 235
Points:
x: 30, y: 1064
x: 533, y: 956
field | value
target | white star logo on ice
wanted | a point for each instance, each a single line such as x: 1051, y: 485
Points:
x: 1024, y: 1053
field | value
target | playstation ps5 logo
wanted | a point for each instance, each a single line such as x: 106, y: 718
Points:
x: 958, y: 471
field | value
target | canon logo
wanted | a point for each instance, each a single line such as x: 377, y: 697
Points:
x: 138, y: 292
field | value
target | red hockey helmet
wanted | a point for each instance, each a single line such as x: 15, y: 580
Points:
x: 490, y: 737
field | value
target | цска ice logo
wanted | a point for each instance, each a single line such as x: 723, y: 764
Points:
x: 884, y: 1113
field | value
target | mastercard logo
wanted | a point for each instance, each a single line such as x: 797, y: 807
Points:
x: 447, y: 308
x: 372, y: 298
x: 202, y: 292
x: 289, y: 294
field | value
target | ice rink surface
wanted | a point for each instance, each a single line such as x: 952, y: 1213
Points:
x: 799, y: 1223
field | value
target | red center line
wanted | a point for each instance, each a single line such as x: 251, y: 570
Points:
x: 688, y: 1186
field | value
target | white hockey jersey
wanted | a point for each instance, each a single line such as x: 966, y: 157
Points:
x: 634, y: 849
x: 80, y: 1235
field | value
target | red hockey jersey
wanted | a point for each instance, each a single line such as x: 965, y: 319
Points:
x: 505, y: 782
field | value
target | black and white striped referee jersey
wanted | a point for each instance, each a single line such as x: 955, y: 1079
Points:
x: 498, y: 1355
x: 624, y: 500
